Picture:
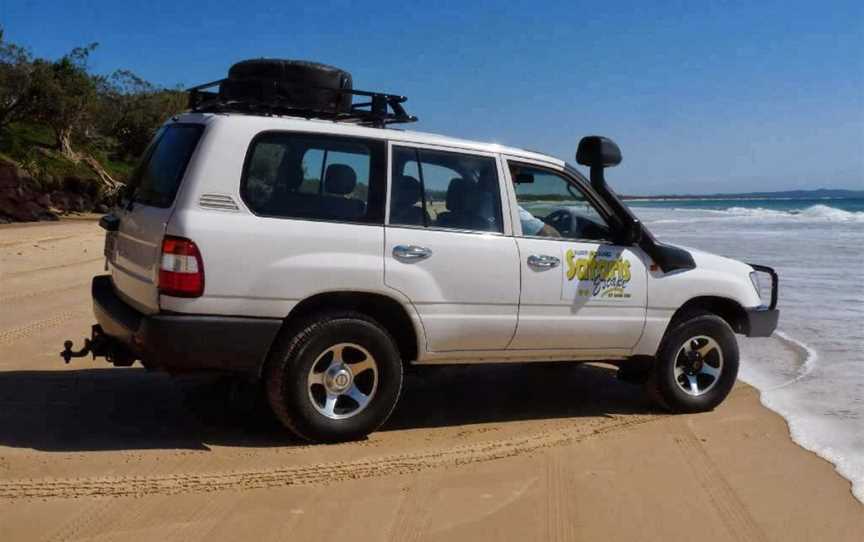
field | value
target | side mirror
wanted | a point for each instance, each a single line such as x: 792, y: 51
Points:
x: 598, y: 151
x: 109, y: 222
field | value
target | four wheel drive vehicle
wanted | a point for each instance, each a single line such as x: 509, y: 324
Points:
x: 290, y: 237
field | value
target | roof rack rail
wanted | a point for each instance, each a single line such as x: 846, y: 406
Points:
x: 381, y: 110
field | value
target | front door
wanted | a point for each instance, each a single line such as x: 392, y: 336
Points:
x: 445, y: 248
x: 579, y: 291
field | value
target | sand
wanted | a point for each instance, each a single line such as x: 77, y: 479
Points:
x: 531, y: 452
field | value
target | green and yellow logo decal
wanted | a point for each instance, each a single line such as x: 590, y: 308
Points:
x: 604, y: 275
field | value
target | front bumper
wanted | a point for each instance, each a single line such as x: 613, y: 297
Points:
x: 175, y: 342
x: 762, y: 321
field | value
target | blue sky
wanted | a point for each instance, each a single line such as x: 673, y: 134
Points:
x: 731, y: 96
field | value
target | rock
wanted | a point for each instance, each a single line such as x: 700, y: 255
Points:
x: 9, y: 177
x: 101, y: 208
x: 74, y: 184
x: 23, y: 175
x: 22, y: 200
x: 60, y: 200
x: 78, y: 203
x: 18, y: 211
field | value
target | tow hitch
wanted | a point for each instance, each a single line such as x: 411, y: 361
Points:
x: 100, y: 345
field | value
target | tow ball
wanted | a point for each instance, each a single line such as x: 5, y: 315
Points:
x: 67, y: 354
x: 98, y: 344
x: 91, y: 346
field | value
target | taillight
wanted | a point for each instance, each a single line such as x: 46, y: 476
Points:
x: 181, y: 273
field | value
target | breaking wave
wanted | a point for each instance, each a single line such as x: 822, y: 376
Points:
x: 814, y: 213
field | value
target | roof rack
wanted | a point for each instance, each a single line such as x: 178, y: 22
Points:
x: 381, y: 110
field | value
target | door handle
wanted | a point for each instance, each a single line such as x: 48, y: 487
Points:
x: 543, y: 262
x: 411, y: 253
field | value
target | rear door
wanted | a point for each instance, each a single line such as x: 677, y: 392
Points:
x: 134, y: 251
x: 446, y: 248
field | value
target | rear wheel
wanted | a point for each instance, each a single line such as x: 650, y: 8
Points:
x: 696, y: 365
x: 337, y: 379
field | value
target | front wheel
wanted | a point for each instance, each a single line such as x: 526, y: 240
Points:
x: 338, y: 378
x: 696, y: 365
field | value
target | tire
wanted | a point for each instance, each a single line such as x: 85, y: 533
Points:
x: 267, y: 80
x: 677, y: 364
x: 303, y: 373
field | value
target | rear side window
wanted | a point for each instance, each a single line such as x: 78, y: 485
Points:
x: 316, y: 177
x: 160, y: 172
x: 440, y: 189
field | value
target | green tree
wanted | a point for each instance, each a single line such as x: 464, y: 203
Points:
x: 16, y: 82
x: 66, y: 94
x: 132, y: 110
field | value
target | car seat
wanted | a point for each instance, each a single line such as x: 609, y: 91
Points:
x: 340, y: 180
x: 286, y: 199
x: 463, y: 200
x: 406, y: 193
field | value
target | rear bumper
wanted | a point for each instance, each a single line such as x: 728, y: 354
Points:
x: 176, y: 342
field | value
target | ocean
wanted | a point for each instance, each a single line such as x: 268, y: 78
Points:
x: 812, y: 371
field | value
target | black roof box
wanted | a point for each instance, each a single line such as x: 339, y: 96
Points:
x: 268, y: 86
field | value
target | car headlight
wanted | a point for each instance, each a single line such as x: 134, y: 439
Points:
x: 754, y: 279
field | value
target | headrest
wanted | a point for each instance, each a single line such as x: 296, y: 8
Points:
x: 457, y: 194
x: 290, y: 172
x: 339, y: 179
x: 406, y: 191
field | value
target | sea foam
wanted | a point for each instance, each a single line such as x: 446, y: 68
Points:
x: 814, y: 213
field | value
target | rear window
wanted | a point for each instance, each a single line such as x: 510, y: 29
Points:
x: 161, y: 170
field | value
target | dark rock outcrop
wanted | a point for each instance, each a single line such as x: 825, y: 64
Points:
x: 21, y: 200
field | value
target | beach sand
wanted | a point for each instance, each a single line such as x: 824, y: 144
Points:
x: 513, y: 452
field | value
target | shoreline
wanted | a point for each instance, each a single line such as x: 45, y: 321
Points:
x: 808, y: 358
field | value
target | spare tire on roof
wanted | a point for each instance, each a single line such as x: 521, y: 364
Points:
x: 295, y: 83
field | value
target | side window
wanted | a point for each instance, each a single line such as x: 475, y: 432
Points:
x: 551, y: 206
x: 444, y: 190
x: 318, y: 177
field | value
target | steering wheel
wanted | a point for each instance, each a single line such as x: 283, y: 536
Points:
x: 588, y: 229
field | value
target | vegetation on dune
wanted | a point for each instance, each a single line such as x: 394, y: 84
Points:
x: 60, y: 121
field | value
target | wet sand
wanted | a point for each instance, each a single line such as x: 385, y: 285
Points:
x: 532, y: 452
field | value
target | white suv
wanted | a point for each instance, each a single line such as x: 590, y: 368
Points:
x: 322, y: 257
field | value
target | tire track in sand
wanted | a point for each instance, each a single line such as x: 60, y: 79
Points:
x: 306, y: 475
x: 731, y: 511
x: 39, y: 293
x: 9, y: 336
x: 90, y: 515
x: 51, y: 267
x: 560, y: 515
x: 412, y: 517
